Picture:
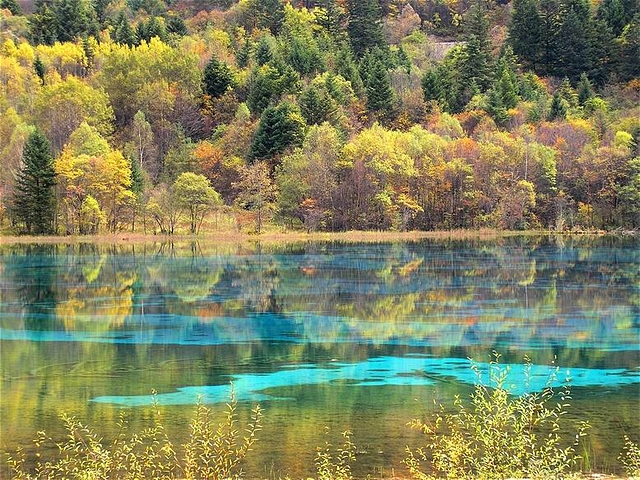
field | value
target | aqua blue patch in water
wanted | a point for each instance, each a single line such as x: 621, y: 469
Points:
x: 381, y: 371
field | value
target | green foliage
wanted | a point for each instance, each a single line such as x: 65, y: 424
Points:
x: 210, y: 452
x: 280, y: 127
x: 194, y: 194
x: 365, y: 26
x: 217, y: 79
x: 630, y: 457
x: 34, y: 198
x: 336, y: 465
x: 498, y: 436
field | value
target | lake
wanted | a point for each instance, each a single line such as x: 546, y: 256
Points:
x: 358, y: 336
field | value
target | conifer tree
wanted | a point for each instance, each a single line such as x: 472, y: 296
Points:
x: 630, y: 50
x: 244, y: 54
x: 264, y: 52
x: 40, y: 69
x: 34, y: 200
x: 124, y: 34
x: 280, y: 127
x: 585, y: 89
x: 43, y: 25
x: 76, y: 18
x: 365, y: 26
x: 558, y: 107
x: 217, y: 78
x: 12, y: 5
x: 379, y: 91
x: 477, y: 66
x: 524, y: 32
x: 572, y: 49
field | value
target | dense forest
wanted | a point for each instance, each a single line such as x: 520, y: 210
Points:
x: 175, y: 116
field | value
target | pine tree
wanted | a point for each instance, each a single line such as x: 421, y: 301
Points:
x: 176, y: 25
x: 244, y: 54
x: 331, y: 17
x: 155, y: 28
x: 12, y: 5
x: 217, y: 78
x: 315, y: 105
x: 572, y: 56
x: 365, y: 26
x: 345, y: 66
x: 40, y: 69
x: 76, y: 18
x: 379, y: 91
x: 612, y: 12
x: 264, y: 52
x: 433, y: 88
x: 43, y: 25
x: 585, y: 89
x: 558, y: 107
x: 525, y: 32
x: 124, y: 34
x: 477, y: 66
x: 280, y: 127
x: 630, y: 51
x: 34, y: 200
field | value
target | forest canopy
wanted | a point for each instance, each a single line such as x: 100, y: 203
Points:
x: 167, y: 115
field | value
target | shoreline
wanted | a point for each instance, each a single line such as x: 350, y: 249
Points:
x: 295, y: 236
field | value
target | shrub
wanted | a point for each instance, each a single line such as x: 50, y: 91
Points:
x: 211, y: 453
x: 337, y: 465
x: 630, y: 457
x: 499, y: 436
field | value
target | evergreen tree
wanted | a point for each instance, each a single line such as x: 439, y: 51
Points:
x: 558, y: 107
x: 602, y: 51
x: 280, y: 127
x: 34, y: 200
x: 549, y: 22
x: 176, y: 25
x: 477, y: 63
x: 365, y: 26
x: 331, y: 17
x: 379, y: 91
x: 612, y: 12
x: 585, y: 89
x: 43, y: 25
x: 217, y: 79
x: 12, y: 5
x: 155, y: 28
x: 315, y: 105
x: 525, y: 32
x: 433, y: 88
x: 630, y: 51
x: 403, y: 60
x: 572, y: 49
x: 268, y: 14
x: 100, y: 7
x: 124, y: 34
x: 75, y: 18
x: 264, y: 52
x: 244, y: 54
x: 345, y: 66
x: 40, y: 69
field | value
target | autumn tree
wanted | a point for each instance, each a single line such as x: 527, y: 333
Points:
x: 195, y: 195
x: 34, y: 198
x: 256, y: 191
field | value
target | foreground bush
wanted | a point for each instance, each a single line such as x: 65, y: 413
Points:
x: 210, y: 453
x: 499, y: 436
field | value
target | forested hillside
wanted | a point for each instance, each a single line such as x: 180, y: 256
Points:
x: 170, y: 115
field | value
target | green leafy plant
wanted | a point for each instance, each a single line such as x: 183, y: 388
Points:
x: 336, y: 465
x: 210, y: 453
x: 630, y: 457
x: 499, y: 436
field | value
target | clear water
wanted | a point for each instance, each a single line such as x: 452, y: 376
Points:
x: 348, y: 336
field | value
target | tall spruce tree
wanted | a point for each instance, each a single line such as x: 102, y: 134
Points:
x: 524, y: 32
x: 43, y: 25
x: 217, y: 78
x: 365, y: 26
x: 379, y: 91
x: 34, y: 197
x: 477, y: 65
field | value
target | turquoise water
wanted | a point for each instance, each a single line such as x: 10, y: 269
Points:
x: 350, y: 336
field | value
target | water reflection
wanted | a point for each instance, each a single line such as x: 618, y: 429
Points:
x: 333, y: 326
